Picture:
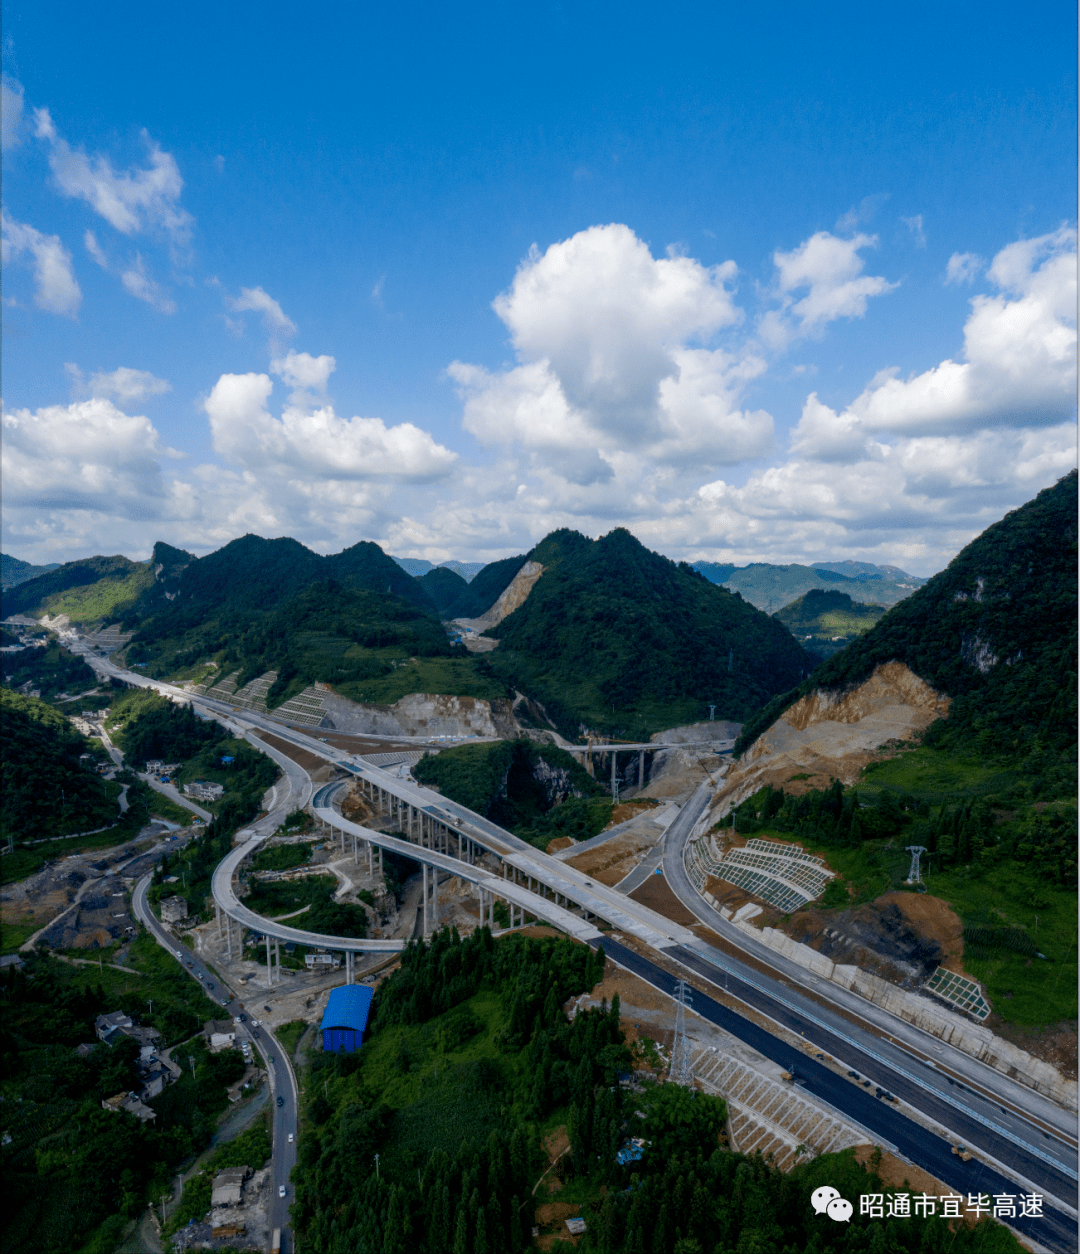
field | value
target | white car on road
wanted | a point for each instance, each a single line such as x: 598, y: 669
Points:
x: 281, y: 1190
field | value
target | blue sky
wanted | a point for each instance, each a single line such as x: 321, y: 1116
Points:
x: 771, y: 283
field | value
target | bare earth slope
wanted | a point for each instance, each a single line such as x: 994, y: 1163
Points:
x: 831, y: 735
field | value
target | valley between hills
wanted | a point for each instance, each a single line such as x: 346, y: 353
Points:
x: 748, y: 762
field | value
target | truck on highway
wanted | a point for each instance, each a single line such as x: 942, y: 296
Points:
x: 275, y: 1242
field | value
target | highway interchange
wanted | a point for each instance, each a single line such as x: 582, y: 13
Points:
x: 1021, y: 1135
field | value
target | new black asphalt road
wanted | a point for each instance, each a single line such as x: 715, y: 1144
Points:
x: 282, y: 1081
x: 1055, y: 1230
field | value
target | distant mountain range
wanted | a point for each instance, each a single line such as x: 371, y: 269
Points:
x: 418, y: 566
x: 13, y: 571
x: 771, y: 587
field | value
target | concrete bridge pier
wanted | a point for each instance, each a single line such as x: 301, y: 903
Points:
x: 348, y: 966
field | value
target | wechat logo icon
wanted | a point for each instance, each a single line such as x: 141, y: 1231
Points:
x: 827, y: 1201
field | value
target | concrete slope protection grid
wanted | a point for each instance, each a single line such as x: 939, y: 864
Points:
x: 1055, y: 1230
x: 877, y: 1028
x: 654, y: 929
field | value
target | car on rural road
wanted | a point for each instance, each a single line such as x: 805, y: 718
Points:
x: 281, y: 1101
x: 281, y: 1190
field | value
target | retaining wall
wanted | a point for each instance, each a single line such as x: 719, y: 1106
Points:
x: 980, y: 1042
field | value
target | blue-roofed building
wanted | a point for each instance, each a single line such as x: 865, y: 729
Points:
x: 345, y: 1018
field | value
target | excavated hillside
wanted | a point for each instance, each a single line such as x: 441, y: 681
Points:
x: 834, y: 735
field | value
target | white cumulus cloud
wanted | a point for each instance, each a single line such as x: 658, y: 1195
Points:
x: 304, y: 372
x: 89, y: 455
x: 1019, y: 366
x: 613, y: 356
x: 55, y: 286
x: 303, y: 443
x: 829, y: 269
x: 133, y: 200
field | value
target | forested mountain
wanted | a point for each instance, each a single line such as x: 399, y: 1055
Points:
x: 89, y: 590
x: 445, y: 587
x: 826, y: 620
x: 14, y: 571
x: 995, y: 630
x: 627, y: 642
x: 612, y: 636
x: 771, y: 587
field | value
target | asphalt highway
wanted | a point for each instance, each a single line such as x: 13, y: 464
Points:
x: 1055, y: 1230
x: 283, y: 1090
x: 959, y: 1081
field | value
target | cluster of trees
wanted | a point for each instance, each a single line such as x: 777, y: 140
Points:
x: 70, y: 1167
x: 170, y: 733
x: 48, y: 668
x: 686, y: 1194
x: 434, y: 978
x: 175, y: 733
x: 46, y: 790
x: 624, y: 641
x: 475, y: 1196
x: 704, y: 1200
x: 959, y: 832
x: 519, y: 784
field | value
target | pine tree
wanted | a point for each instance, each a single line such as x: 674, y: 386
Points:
x: 461, y: 1231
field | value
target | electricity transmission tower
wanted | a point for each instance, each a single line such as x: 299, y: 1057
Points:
x: 680, y: 1050
x: 915, y: 874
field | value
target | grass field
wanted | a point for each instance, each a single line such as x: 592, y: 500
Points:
x: 290, y: 1033
x: 163, y: 807
x: 12, y: 935
x: 933, y: 776
x: 1024, y: 989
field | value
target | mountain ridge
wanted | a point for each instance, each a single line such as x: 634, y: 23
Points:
x: 996, y: 630
x: 625, y: 640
